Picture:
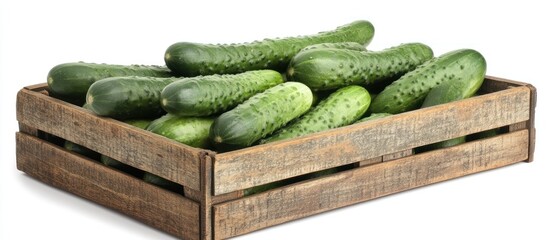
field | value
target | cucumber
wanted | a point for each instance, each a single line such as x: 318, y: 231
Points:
x: 192, y: 131
x: 341, y: 108
x: 139, y: 123
x: 192, y: 59
x: 162, y: 182
x: 338, y: 45
x: 72, y: 80
x: 410, y: 90
x: 261, y: 115
x: 207, y: 95
x: 450, y: 91
x: 127, y: 97
x: 329, y: 68
x: 374, y: 116
x: 84, y: 151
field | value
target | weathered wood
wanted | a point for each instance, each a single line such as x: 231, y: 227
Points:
x: 141, y: 149
x: 397, y: 155
x: 227, y: 197
x: 262, y: 164
x: 154, y: 206
x: 28, y: 129
x: 37, y: 87
x: 365, y: 183
x: 206, y: 230
x: 518, y: 126
x: 370, y: 161
x: 531, y: 122
x: 493, y: 84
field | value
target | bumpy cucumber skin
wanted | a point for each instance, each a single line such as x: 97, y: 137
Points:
x: 338, y: 45
x: 192, y: 131
x: 374, y: 116
x: 72, y: 80
x: 341, y: 108
x: 127, y: 97
x: 206, y: 95
x: 261, y: 115
x: 454, y: 90
x: 192, y: 59
x: 409, y: 91
x: 329, y: 68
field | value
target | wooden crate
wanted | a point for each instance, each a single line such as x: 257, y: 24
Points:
x: 378, y: 155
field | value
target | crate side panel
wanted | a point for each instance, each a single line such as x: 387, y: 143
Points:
x: 156, y: 207
x: 271, y: 162
x: 128, y: 144
x: 303, y: 199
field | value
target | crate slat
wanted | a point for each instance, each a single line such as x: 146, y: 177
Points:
x: 303, y: 199
x: 164, y: 210
x: 272, y: 162
x: 141, y: 149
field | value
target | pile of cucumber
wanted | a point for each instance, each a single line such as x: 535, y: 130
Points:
x: 227, y: 97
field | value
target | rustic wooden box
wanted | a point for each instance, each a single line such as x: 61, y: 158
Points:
x: 212, y: 206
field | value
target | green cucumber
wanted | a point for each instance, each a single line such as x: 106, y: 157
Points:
x: 261, y: 115
x: 341, y: 108
x: 127, y: 97
x: 329, y: 68
x: 207, y: 95
x: 408, y: 92
x: 72, y: 80
x: 84, y: 151
x: 337, y: 45
x: 450, y: 91
x: 108, y: 161
x: 192, y: 131
x: 193, y: 59
x: 374, y: 116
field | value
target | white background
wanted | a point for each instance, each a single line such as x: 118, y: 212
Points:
x: 508, y: 203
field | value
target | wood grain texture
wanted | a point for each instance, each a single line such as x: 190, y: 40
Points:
x: 531, y: 123
x: 262, y: 164
x: 518, y: 126
x: 37, y: 87
x: 28, y: 129
x: 494, y: 84
x: 397, y: 155
x: 138, y: 148
x: 156, y: 207
x: 369, y: 161
x: 365, y: 183
x: 206, y: 229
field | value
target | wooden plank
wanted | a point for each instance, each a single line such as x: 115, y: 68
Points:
x: 206, y: 230
x: 493, y: 84
x: 370, y: 161
x: 531, y: 122
x: 37, y: 87
x: 518, y: 126
x: 28, y: 129
x: 154, y: 206
x: 138, y: 148
x: 262, y: 164
x: 365, y: 183
x: 397, y: 155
